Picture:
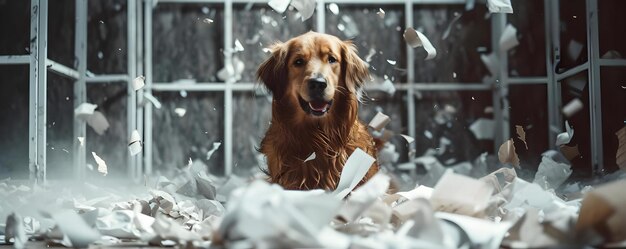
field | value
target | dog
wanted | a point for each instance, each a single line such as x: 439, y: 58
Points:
x: 316, y: 82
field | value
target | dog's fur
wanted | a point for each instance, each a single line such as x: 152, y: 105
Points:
x: 296, y: 130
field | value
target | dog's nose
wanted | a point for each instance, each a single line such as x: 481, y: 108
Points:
x: 317, y: 84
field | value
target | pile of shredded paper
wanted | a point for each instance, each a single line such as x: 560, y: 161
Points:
x: 195, y: 209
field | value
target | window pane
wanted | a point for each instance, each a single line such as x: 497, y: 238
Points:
x: 107, y: 34
x: 613, y: 114
x: 14, y: 111
x: 14, y: 23
x: 579, y: 122
x: 573, y: 33
x: 60, y: 127
x: 61, y: 26
x: 529, y: 109
x: 252, y: 114
x: 529, y: 57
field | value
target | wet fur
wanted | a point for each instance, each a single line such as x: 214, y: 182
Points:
x: 293, y: 135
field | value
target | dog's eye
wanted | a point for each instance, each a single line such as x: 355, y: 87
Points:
x: 331, y: 59
x: 298, y: 62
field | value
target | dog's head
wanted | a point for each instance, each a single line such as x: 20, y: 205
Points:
x: 314, y: 70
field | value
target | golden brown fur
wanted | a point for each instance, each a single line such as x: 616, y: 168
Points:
x: 295, y: 133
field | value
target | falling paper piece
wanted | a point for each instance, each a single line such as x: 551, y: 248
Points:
x: 491, y: 62
x: 507, y: 154
x: 379, y: 121
x: 134, y: 144
x: 570, y: 152
x: 416, y: 39
x: 207, y: 20
x: 565, y: 137
x: 620, y: 155
x: 483, y: 128
x: 577, y: 82
x: 388, y: 87
x: 81, y: 140
x: 353, y: 171
x: 98, y: 122
x: 499, y: 6
x: 279, y: 5
x: 84, y: 111
x: 216, y: 145
x: 153, y: 100
x: 508, y: 39
x: 380, y: 13
x: 311, y: 157
x: 180, y: 111
x: 232, y: 70
x: 574, y: 48
x: 611, y: 54
x: 138, y: 82
x: 304, y: 7
x: 102, y: 166
x: 551, y: 174
x: 334, y: 8
x: 521, y: 134
x: 470, y: 199
x: 392, y: 62
x: 75, y: 228
x: 407, y: 138
x: 603, y: 210
x: 572, y: 107
x: 238, y: 46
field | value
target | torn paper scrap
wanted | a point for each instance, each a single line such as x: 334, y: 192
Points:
x: 334, y: 8
x: 483, y: 128
x: 508, y: 39
x: 572, y: 107
x: 491, y: 62
x: 84, y: 111
x: 603, y: 210
x: 238, y: 46
x: 507, y: 154
x: 134, y: 144
x: 353, y: 171
x: 570, y: 152
x: 279, y: 5
x: 460, y: 194
x: 551, y: 174
x: 499, y: 6
x: 482, y: 233
x: 565, y: 137
x: 574, y: 48
x: 180, y: 111
x: 304, y: 7
x: 620, y: 155
x: 500, y: 178
x: 126, y: 224
x: 380, y: 13
x: 521, y: 134
x: 388, y: 87
x: 216, y: 146
x: 153, y: 100
x: 79, y: 233
x: 138, y: 82
x: 362, y: 198
x: 407, y: 138
x: 98, y: 122
x: 416, y: 39
x: 81, y: 140
x: 102, y: 165
x: 311, y: 157
x: 379, y: 121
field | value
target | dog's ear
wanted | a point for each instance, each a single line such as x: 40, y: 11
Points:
x: 273, y: 71
x: 354, y: 68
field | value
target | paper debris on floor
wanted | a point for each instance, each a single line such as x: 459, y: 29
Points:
x: 571, y: 108
x: 521, y: 134
x: 603, y: 211
x: 508, y: 39
x: 416, y: 39
x: 471, y: 199
x: 483, y: 128
x: 353, y: 171
x: 507, y: 153
x: 499, y: 6
x: 134, y: 144
x: 102, y: 165
x: 565, y: 137
x: 551, y: 174
x: 620, y: 155
x: 379, y: 121
x: 138, y: 82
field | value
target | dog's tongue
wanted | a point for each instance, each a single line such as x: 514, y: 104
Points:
x: 318, y: 106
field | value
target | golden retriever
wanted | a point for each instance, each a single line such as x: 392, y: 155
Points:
x: 315, y: 80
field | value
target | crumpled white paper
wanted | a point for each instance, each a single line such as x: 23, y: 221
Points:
x: 416, y: 39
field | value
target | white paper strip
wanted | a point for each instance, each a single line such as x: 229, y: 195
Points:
x: 565, y: 137
x: 153, y: 100
x: 416, y: 39
x: 134, y: 144
x: 102, y: 165
x: 379, y: 121
x: 499, y: 6
x: 407, y: 138
x: 353, y: 171
x: 216, y: 145
x: 574, y: 106
x: 508, y: 39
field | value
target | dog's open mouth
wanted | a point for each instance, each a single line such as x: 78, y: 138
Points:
x: 315, y: 107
